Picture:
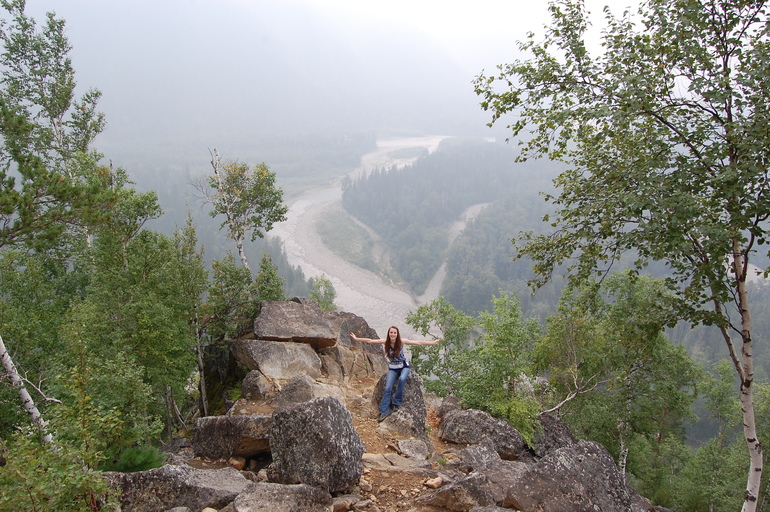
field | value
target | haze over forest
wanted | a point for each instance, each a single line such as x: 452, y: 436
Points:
x: 180, y: 77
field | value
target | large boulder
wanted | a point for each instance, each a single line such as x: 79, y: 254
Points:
x: 219, y: 437
x: 350, y: 359
x: 297, y: 320
x: 267, y: 497
x: 470, y: 426
x: 315, y: 443
x: 581, y: 477
x: 177, y: 486
x: 343, y: 363
x: 277, y: 360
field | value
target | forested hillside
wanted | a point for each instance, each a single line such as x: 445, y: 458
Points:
x: 412, y: 209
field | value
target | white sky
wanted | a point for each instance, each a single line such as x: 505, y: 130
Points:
x: 473, y: 31
x: 190, y: 67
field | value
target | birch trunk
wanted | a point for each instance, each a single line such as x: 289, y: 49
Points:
x: 26, y: 399
x: 226, y: 201
x: 746, y: 372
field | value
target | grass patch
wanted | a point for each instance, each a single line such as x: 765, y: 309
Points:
x: 351, y: 241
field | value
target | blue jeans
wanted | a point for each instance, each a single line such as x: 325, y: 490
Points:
x: 401, y: 375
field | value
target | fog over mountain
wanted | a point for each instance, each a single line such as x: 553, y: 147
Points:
x: 180, y: 76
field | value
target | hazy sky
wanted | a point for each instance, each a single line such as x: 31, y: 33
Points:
x: 180, y: 75
x: 478, y: 33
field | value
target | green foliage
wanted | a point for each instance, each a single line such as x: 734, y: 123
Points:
x: 268, y: 284
x: 136, y: 458
x: 718, y: 389
x: 522, y: 412
x: 230, y: 307
x: 247, y: 198
x: 323, y: 292
x: 141, y: 308
x: 39, y: 479
x: 47, y: 165
x: 445, y: 363
x: 62, y: 475
x: 617, y: 380
x: 39, y: 84
x: 713, y: 478
x: 115, y: 383
x: 496, y: 374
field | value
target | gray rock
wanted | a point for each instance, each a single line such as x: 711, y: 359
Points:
x: 168, y: 487
x: 472, y: 426
x: 303, y: 388
x: 256, y: 387
x: 343, y: 363
x: 414, y: 449
x: 554, y: 434
x: 448, y: 404
x: 277, y: 360
x: 299, y: 321
x: 315, y: 443
x: 462, y: 496
x: 270, y: 497
x: 582, y: 477
x: 221, y: 437
x: 501, y: 474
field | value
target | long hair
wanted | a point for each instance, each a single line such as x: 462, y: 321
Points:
x: 397, y: 347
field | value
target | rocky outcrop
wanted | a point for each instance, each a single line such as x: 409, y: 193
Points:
x: 464, y: 495
x: 177, y: 486
x: 302, y: 389
x: 292, y: 437
x: 256, y: 386
x: 300, y: 321
x: 551, y: 435
x: 501, y: 474
x: 315, y: 443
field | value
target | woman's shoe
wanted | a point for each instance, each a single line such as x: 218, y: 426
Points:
x: 383, y: 415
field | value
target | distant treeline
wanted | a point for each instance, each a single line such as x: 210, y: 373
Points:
x: 413, y: 209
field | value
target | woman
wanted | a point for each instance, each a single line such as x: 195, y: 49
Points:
x: 398, y: 366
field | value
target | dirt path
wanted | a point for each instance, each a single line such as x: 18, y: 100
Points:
x: 359, y: 291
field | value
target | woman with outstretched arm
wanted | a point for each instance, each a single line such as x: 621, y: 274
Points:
x: 398, y: 366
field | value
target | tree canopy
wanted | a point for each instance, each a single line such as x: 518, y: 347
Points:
x: 665, y: 131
